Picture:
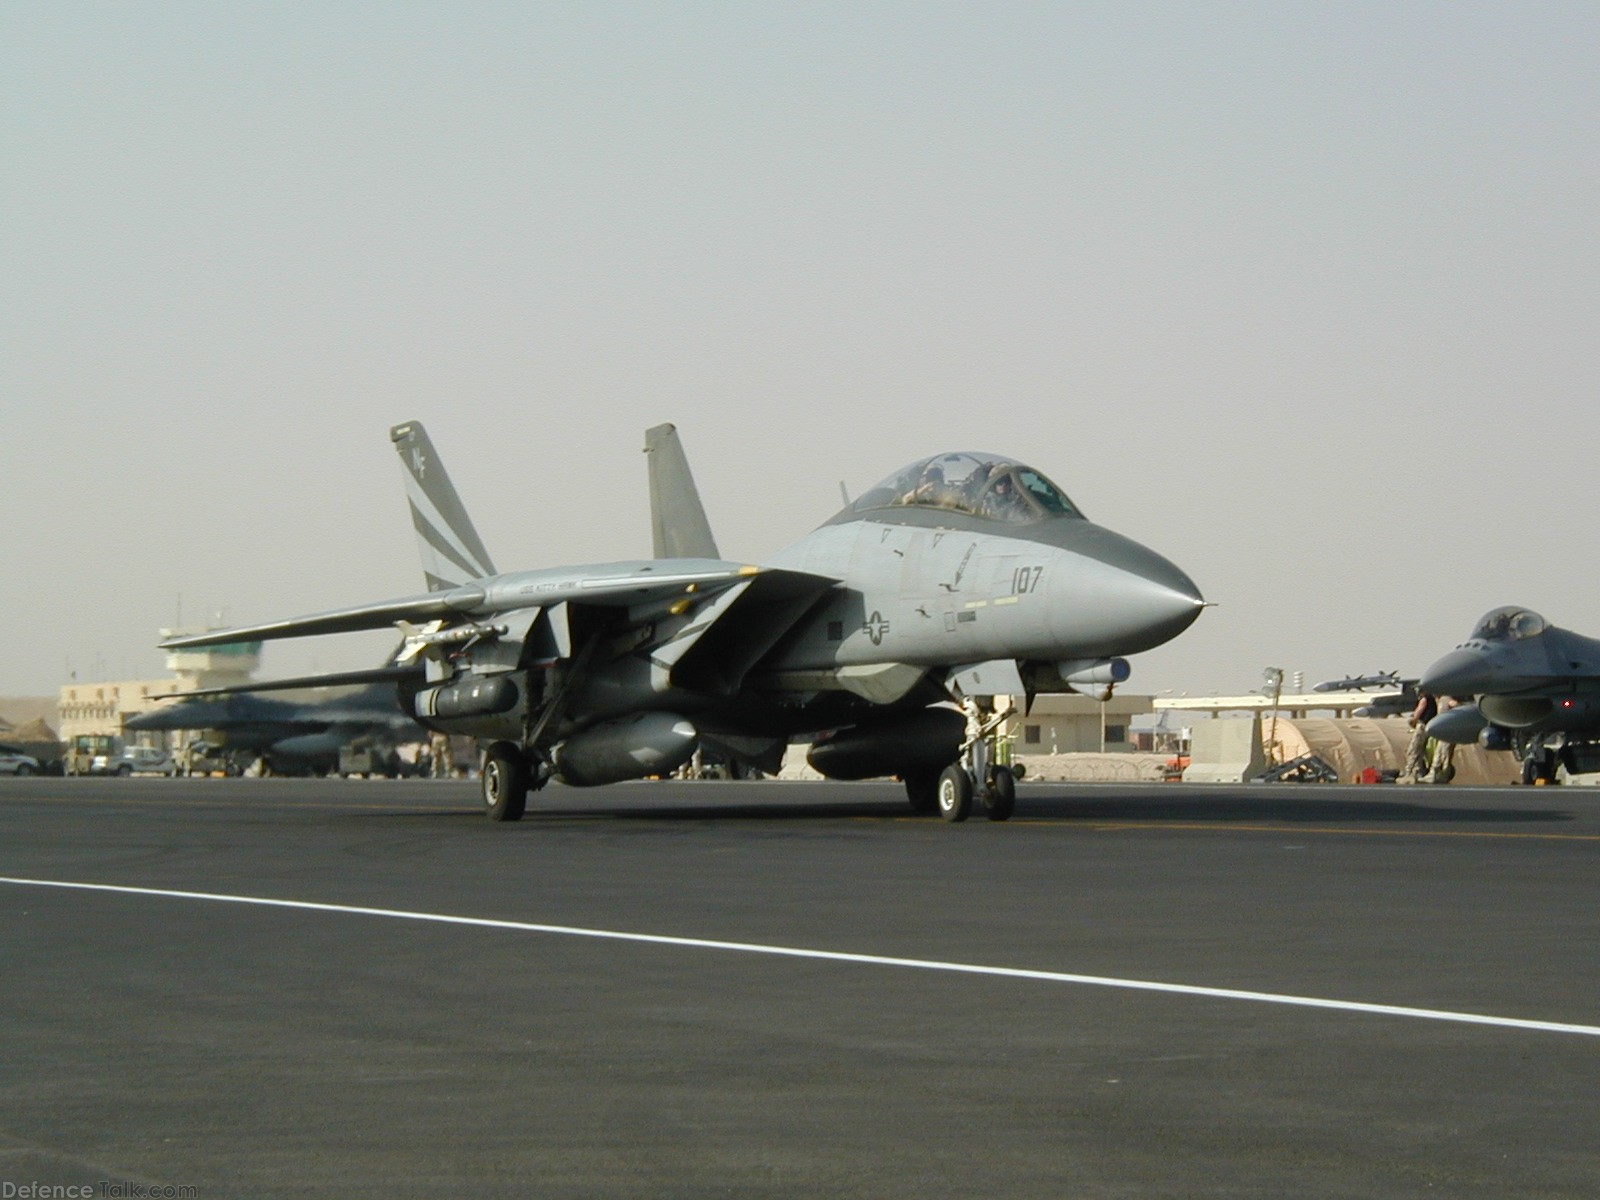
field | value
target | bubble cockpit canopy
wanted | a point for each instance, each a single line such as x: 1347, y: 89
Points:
x: 980, y: 485
x: 1509, y: 624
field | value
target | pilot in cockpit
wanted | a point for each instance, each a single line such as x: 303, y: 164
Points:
x: 972, y: 487
x: 930, y: 488
x: 1002, y: 501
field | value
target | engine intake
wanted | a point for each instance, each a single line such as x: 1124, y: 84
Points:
x: 1544, y: 714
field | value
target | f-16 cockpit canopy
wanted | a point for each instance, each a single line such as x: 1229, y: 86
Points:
x: 1509, y: 624
x: 980, y: 485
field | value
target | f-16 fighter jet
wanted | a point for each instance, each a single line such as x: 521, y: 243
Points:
x: 1536, y: 688
x: 290, y: 737
x: 962, y: 565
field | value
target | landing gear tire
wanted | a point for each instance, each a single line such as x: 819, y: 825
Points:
x: 505, y: 782
x: 1000, y: 797
x: 922, y: 791
x: 955, y: 794
x: 1540, y: 768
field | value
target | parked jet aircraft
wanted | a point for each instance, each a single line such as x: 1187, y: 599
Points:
x: 853, y: 636
x: 1537, y: 690
x: 291, y: 737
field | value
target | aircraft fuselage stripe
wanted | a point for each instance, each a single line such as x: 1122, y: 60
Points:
x: 1387, y: 1010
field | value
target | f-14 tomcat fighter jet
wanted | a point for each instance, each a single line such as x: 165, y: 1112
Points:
x: 961, y: 566
x: 1536, y: 688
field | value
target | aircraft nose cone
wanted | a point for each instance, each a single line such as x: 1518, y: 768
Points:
x: 1459, y: 673
x: 1118, y: 597
x: 1158, y: 602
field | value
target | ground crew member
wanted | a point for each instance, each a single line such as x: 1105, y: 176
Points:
x: 1417, y: 752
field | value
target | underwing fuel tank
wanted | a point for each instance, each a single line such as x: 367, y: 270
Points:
x: 1461, y: 725
x: 636, y: 746
x: 310, y: 746
x: 928, y: 740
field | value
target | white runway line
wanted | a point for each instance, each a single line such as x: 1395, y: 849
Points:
x: 876, y: 960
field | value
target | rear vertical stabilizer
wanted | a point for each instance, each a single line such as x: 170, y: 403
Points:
x: 452, y: 552
x: 678, y: 524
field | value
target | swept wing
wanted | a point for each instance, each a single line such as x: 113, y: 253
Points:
x: 619, y: 584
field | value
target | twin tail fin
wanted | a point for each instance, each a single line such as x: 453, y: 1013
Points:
x: 452, y: 552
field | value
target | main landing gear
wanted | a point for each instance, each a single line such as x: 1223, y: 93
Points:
x: 507, y: 777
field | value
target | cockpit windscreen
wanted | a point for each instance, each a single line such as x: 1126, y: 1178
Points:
x: 980, y: 485
x: 1509, y: 624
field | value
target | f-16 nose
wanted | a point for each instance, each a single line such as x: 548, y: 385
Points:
x: 1459, y: 673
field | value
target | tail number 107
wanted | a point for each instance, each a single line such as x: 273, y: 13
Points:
x: 1025, y: 580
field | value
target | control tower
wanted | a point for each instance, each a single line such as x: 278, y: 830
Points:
x: 211, y: 666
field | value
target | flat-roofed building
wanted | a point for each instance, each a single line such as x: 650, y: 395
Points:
x: 99, y: 709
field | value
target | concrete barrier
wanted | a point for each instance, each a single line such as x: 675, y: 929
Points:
x: 1225, y: 751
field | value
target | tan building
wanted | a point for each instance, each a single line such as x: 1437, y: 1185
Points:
x: 99, y: 709
x: 1073, y: 724
x: 1289, y: 704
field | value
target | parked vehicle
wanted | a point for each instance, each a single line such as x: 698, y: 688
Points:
x: 15, y: 762
x: 134, y: 760
x: 202, y: 757
x: 83, y: 749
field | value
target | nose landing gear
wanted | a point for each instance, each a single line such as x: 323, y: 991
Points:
x: 955, y: 793
x: 1000, y: 796
x: 958, y: 788
x: 975, y: 774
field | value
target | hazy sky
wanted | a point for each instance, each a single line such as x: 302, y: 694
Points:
x: 1303, y: 296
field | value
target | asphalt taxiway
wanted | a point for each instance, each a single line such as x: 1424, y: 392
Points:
x: 296, y: 988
